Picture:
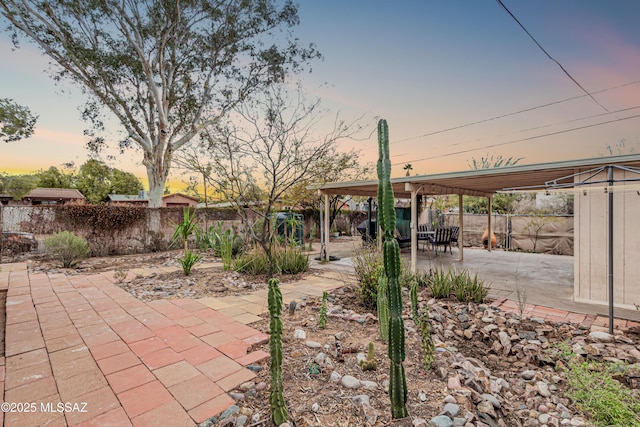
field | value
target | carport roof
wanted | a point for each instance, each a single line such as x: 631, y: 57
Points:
x: 482, y: 182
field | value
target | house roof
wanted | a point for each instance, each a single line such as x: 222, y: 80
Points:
x: 127, y: 198
x: 182, y: 195
x: 54, y: 194
x: 481, y: 182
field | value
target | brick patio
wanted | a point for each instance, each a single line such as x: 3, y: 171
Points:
x: 81, y: 338
x: 593, y: 321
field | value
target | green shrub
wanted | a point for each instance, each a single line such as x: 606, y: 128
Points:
x: 594, y: 390
x: 287, y: 260
x: 188, y: 261
x: 291, y: 260
x: 369, y: 266
x: 67, y: 247
x: 440, y: 284
x: 220, y: 241
x: 254, y: 262
x: 461, y: 284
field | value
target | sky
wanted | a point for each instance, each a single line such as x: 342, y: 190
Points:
x: 450, y: 78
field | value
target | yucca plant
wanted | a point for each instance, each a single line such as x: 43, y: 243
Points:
x: 187, y: 262
x: 185, y: 229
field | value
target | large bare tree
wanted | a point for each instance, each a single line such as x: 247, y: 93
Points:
x: 166, y: 69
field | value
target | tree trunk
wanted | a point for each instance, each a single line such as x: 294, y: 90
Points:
x: 157, y: 173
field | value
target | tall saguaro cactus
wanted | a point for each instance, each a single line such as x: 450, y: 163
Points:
x: 279, y: 411
x: 391, y: 252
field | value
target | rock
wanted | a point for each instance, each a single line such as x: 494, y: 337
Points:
x: 231, y: 410
x: 543, y: 389
x: 320, y: 358
x: 452, y: 409
x: 422, y: 396
x: 254, y: 368
x: 315, y: 407
x: 351, y: 382
x: 313, y: 344
x: 597, y: 336
x: 261, y: 386
x: 487, y: 408
x: 209, y: 423
x: 335, y: 377
x: 247, y: 385
x: 236, y: 396
x: 369, y: 413
x: 505, y: 340
x: 360, y: 357
x: 369, y: 385
x: 419, y: 422
x: 528, y: 375
x: 453, y: 383
x: 241, y: 421
x: 299, y: 334
x: 361, y: 399
x: 492, y: 399
x: 441, y: 421
x: 577, y: 422
x: 544, y: 418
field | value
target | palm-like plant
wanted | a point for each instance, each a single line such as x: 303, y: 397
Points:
x: 185, y: 229
x: 408, y: 168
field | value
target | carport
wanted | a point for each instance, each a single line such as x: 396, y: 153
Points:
x: 590, y: 260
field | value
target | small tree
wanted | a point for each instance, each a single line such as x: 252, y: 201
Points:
x: 266, y: 152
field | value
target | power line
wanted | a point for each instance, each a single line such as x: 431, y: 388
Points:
x: 513, y: 113
x: 548, y: 55
x: 518, y: 140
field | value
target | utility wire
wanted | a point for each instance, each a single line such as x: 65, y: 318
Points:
x: 513, y: 113
x: 517, y: 140
x: 549, y: 56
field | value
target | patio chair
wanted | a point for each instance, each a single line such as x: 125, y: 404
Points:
x: 455, y: 230
x: 423, y: 235
x: 442, y: 238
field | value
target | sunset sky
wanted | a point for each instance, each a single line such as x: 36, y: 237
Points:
x: 426, y: 67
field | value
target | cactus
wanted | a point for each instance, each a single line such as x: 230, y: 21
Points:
x: 414, y: 303
x: 370, y: 363
x: 391, y: 251
x: 382, y: 299
x: 279, y: 411
x: 323, y: 311
x: 292, y: 307
x: 428, y: 348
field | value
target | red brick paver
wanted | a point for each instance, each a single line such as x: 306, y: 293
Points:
x: 554, y: 315
x: 83, y: 340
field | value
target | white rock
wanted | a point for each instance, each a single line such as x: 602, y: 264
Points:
x: 299, y: 334
x: 350, y: 382
x: 335, y: 377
